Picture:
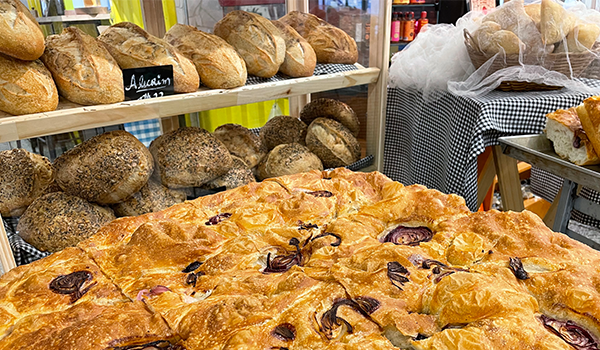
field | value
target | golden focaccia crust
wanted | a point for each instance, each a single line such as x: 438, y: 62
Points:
x: 321, y: 260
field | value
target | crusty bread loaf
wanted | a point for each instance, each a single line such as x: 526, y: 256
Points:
x: 257, y: 40
x: 242, y: 143
x: 331, y: 44
x: 82, y: 68
x: 217, y: 62
x: 59, y: 220
x: 21, y: 36
x: 27, y: 87
x: 581, y: 39
x: 105, y: 169
x: 133, y: 47
x: 563, y: 128
x: 300, y: 58
x: 189, y: 157
x: 24, y: 176
x: 332, y: 143
x: 491, y: 39
x: 555, y: 22
x: 332, y: 109
x: 239, y: 175
x: 151, y: 198
x: 287, y: 159
x: 282, y: 129
x: 589, y: 114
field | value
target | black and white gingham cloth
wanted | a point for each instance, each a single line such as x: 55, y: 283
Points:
x: 436, y: 142
x: 320, y: 69
x: 23, y: 252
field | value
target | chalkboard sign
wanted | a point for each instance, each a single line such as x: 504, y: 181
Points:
x: 148, y: 82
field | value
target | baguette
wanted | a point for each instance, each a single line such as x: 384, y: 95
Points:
x: 83, y: 70
x: 300, y: 58
x: 22, y: 36
x: 331, y: 44
x: 257, y: 40
x: 133, y: 47
x: 217, y: 62
x: 27, y: 87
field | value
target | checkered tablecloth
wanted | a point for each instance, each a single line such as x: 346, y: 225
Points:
x: 436, y: 142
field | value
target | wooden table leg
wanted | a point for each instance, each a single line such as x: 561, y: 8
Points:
x: 485, y: 178
x: 509, y: 182
x: 568, y: 193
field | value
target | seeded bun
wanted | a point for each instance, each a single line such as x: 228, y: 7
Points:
x: 332, y: 109
x: 332, y: 143
x: 281, y: 130
x: 59, y: 220
x: 239, y: 175
x: 151, y: 198
x: 288, y: 159
x: 241, y: 143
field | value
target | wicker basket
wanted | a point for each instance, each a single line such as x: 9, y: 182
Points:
x: 571, y: 64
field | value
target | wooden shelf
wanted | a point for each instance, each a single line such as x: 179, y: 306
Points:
x: 73, y: 18
x: 71, y: 117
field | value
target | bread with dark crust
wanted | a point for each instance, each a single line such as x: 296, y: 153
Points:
x: 151, y: 198
x: 281, y: 130
x: 332, y: 109
x: 105, y: 169
x: 24, y: 176
x: 239, y: 175
x: 242, y: 143
x: 59, y: 220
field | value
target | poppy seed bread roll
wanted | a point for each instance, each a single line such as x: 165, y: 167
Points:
x: 189, y: 157
x: 59, y: 220
x: 242, y: 143
x: 332, y: 143
x: 239, y: 175
x: 283, y: 129
x: 151, y: 198
x: 24, y: 176
x: 105, y: 169
x: 332, y: 109
x: 288, y: 159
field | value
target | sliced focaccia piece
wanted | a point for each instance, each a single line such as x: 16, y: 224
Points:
x: 564, y: 129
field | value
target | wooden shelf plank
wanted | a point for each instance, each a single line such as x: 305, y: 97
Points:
x: 71, y: 117
x: 73, y: 18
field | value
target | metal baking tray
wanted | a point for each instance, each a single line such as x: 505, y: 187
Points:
x: 537, y: 150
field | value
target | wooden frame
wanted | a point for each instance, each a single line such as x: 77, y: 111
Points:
x: 70, y: 117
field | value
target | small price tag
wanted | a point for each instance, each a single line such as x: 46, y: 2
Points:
x: 148, y: 82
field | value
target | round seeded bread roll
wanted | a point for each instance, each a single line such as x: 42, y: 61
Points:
x: 105, y: 169
x: 189, y: 157
x: 242, y: 143
x: 282, y: 129
x: 59, y: 220
x: 151, y: 198
x: 332, y: 109
x: 332, y: 143
x: 288, y: 159
x: 239, y: 175
x: 24, y: 176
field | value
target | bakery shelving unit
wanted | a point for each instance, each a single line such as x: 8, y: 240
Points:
x: 71, y: 117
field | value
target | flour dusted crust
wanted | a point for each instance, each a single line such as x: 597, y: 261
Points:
x: 319, y: 260
x: 22, y: 36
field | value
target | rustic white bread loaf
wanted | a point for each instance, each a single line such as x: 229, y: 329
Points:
x: 152, y: 197
x: 582, y: 38
x: 82, y: 68
x: 331, y: 44
x: 24, y: 176
x: 332, y: 142
x: 513, y: 17
x: 239, y: 175
x: 589, y: 114
x: 282, y: 129
x: 217, y: 62
x: 491, y: 39
x: 133, y: 47
x: 555, y: 21
x: 300, y: 58
x: 189, y: 157
x: 332, y: 109
x: 287, y: 159
x: 21, y: 36
x: 241, y: 143
x: 257, y: 40
x: 59, y: 220
x: 27, y: 87
x: 105, y: 169
x: 564, y: 129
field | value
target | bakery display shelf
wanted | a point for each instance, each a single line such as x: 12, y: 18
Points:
x: 71, y: 117
x: 537, y: 150
x: 73, y: 18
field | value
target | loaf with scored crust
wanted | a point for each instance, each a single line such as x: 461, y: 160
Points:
x: 22, y: 36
